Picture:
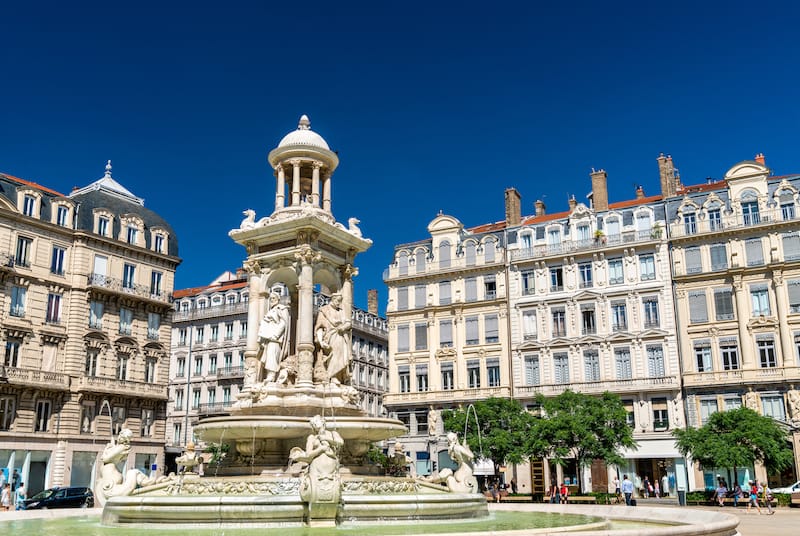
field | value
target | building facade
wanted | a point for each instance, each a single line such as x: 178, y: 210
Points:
x: 87, y: 289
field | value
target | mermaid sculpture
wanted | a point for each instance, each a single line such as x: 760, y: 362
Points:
x: 111, y: 483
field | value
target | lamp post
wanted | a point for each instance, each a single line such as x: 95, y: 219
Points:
x: 188, y: 386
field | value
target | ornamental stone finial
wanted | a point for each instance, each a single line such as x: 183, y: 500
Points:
x: 108, y: 170
x: 305, y: 123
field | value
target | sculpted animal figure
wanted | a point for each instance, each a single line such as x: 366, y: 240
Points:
x: 353, y: 227
x: 249, y: 220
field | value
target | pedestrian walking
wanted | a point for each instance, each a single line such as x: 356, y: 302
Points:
x: 657, y: 490
x: 514, y: 485
x: 22, y: 494
x: 15, y: 481
x: 617, y: 493
x: 753, y: 498
x: 627, y: 489
x: 5, y: 497
x: 647, y: 488
x: 766, y: 496
x: 555, y: 494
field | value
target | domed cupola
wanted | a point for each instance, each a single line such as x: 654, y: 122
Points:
x: 307, y: 159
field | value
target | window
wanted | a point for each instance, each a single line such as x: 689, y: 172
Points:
x: 532, y: 373
x: 23, y: 252
x: 419, y: 296
x: 490, y: 328
x: 612, y: 226
x: 12, y: 352
x: 556, y: 279
x: 615, y: 273
x: 96, y: 314
x: 471, y: 289
x: 766, y: 351
x: 588, y: 320
x: 473, y: 374
x: 694, y: 263
x: 199, y: 335
x: 131, y: 234
x: 655, y: 361
x: 689, y: 223
x: 719, y: 257
x: 723, y: 303
x: 155, y: 283
x: 647, y: 267
x: 793, y: 286
x: 402, y: 298
x: 158, y: 243
x: 697, y: 306
x: 529, y: 324
x: 553, y: 239
x: 28, y: 205
x: 528, y: 282
x: 212, y: 364
x: 527, y: 240
x: 196, y: 399
x: 772, y: 406
x: 583, y: 233
x: 128, y: 276
x: 61, y: 215
x: 733, y: 402
x: 561, y: 368
x: 402, y: 338
x: 445, y: 333
x: 227, y: 360
x: 92, y: 358
x: 754, y: 251
x: 444, y: 254
x: 660, y: 414
x: 591, y: 365
x: 422, y: 377
x: 125, y: 321
x: 585, y: 273
x: 446, y: 370
x: 489, y: 287
x: 750, y: 212
x: 102, y: 226
x: 198, y: 366
x: 214, y: 335
x: 619, y: 316
x: 559, y: 323
x: 57, y: 260
x: 702, y: 355
x: 182, y: 336
x: 229, y: 331
x: 759, y: 297
x: 53, y: 313
x: 714, y: 219
x: 122, y: 367
x: 630, y: 417
x: 420, y: 336
x: 153, y: 325
x: 226, y: 395
x: 791, y: 247
x: 729, y: 351
x: 243, y: 329
x: 488, y: 251
x: 87, y: 418
x: 708, y: 407
x: 650, y: 306
x: 402, y: 263
x: 6, y: 412
x: 421, y: 257
x: 471, y: 329
x: 404, y: 377
x: 176, y: 433
x: 469, y: 253
x: 147, y: 422
x: 150, y: 370
x: 444, y: 293
x: 622, y: 360
x: 493, y: 372
x: 43, y: 409
x: 18, y: 295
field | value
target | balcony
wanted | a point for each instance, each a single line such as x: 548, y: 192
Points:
x: 119, y: 286
x: 449, y: 396
x: 211, y: 312
x: 215, y: 408
x: 736, y: 377
x: 573, y: 246
x: 113, y: 386
x: 454, y: 264
x: 230, y: 372
x: 631, y: 385
x: 763, y: 218
x: 53, y: 381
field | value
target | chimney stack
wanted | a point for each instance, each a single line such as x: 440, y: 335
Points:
x: 513, y: 207
x: 639, y: 192
x: 372, y: 301
x: 539, y: 204
x: 761, y: 159
x: 572, y: 203
x: 666, y: 174
x: 599, y: 189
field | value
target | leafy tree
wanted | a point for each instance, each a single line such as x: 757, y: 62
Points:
x: 505, y: 428
x: 736, y: 438
x: 583, y: 427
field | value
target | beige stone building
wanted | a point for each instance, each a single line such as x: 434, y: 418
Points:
x: 86, y: 296
x: 736, y: 258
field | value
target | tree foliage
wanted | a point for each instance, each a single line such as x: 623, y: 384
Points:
x: 583, y: 427
x: 736, y: 438
x: 505, y: 429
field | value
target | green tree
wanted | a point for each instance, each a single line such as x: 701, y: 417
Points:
x: 505, y: 428
x: 583, y: 427
x: 736, y: 438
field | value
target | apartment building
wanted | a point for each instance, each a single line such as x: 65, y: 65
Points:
x: 86, y: 298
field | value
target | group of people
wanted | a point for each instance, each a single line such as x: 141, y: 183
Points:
x: 558, y: 493
x: 12, y: 493
x: 755, y: 492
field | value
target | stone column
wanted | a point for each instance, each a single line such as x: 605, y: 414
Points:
x: 252, y: 367
x: 742, y: 316
x: 782, y: 310
x: 326, y: 192
x: 280, y: 191
x: 305, y: 316
x: 315, y: 184
x: 295, y: 182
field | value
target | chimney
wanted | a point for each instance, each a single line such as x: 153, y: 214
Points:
x: 761, y: 159
x: 639, y: 192
x: 666, y: 174
x: 513, y: 207
x: 599, y: 189
x: 572, y: 203
x: 539, y: 204
x: 372, y: 301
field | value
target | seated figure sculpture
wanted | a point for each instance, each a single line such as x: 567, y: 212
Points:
x: 461, y: 480
x: 111, y: 482
x: 320, y: 481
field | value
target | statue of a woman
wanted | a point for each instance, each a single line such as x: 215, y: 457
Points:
x: 273, y: 333
x: 332, y: 331
x: 320, y: 481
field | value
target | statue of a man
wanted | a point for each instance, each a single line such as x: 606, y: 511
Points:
x: 273, y: 334
x: 332, y: 330
x: 433, y: 422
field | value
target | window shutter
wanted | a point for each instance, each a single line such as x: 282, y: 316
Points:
x: 794, y: 295
x: 531, y: 370
x: 446, y: 332
x: 471, y: 289
x: 419, y: 296
x: 471, y: 323
x: 755, y: 253
x: 421, y: 336
x: 791, y: 247
x: 470, y: 253
x: 444, y: 293
x: 697, y: 306
x: 719, y: 257
x: 490, y: 327
x: 693, y: 261
x: 402, y: 298
x: 723, y: 303
x: 402, y: 338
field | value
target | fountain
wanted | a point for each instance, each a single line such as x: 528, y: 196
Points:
x: 296, y: 439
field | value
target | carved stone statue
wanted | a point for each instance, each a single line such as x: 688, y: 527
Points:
x: 189, y: 459
x: 249, y: 219
x: 462, y: 480
x: 320, y: 482
x: 401, y: 458
x: 751, y: 400
x: 273, y: 334
x: 332, y: 333
x: 433, y: 422
x: 111, y: 483
x: 794, y: 404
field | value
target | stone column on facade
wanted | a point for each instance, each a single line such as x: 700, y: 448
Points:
x: 315, y: 184
x: 305, y: 317
x: 326, y: 192
x: 252, y: 375
x: 782, y: 306
x: 740, y: 297
x: 280, y: 191
x: 295, y: 182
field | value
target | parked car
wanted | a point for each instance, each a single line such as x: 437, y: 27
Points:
x: 794, y: 488
x: 72, y: 497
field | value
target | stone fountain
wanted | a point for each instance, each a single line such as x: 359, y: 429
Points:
x: 296, y: 441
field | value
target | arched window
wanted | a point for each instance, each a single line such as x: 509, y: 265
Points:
x: 488, y: 250
x: 420, y: 261
x: 402, y: 263
x: 750, y: 213
x: 470, y: 253
x: 444, y: 254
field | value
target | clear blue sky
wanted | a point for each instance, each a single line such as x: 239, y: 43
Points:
x: 431, y: 107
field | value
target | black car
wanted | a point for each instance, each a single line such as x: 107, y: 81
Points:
x: 73, y: 497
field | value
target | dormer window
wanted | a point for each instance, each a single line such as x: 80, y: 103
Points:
x: 158, y: 244
x: 158, y: 239
x: 102, y: 226
x: 28, y: 205
x: 131, y: 234
x: 131, y: 230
